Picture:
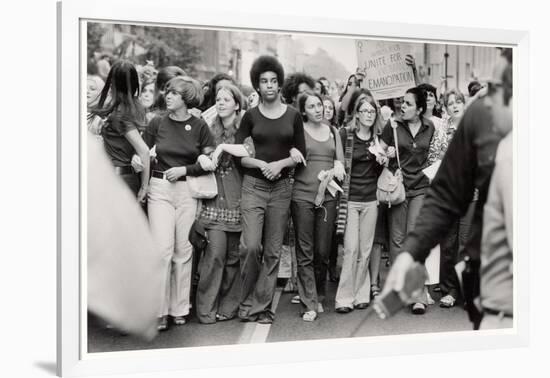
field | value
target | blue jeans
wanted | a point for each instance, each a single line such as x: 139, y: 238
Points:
x: 219, y: 286
x: 314, y: 228
x: 402, y: 219
x: 265, y: 210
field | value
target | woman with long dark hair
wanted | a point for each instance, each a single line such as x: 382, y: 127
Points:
x: 124, y: 116
x: 414, y: 134
x: 313, y: 208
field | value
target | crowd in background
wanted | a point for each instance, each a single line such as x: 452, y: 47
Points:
x: 296, y: 161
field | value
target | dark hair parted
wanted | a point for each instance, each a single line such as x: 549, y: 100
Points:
x: 334, y: 120
x: 419, y: 99
x: 347, y: 86
x: 211, y: 91
x: 266, y: 63
x: 122, y: 84
x: 292, y: 83
x: 324, y: 90
x: 189, y: 89
x: 433, y: 90
x: 302, y: 102
x: 473, y: 88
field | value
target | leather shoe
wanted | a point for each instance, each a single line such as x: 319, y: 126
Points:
x: 343, y: 310
x: 361, y: 306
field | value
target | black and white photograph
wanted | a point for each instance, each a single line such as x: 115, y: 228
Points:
x: 256, y: 187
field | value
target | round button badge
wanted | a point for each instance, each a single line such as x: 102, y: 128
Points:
x: 187, y: 127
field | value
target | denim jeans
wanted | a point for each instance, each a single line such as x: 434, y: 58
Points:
x: 451, y: 248
x: 314, y: 227
x: 132, y: 180
x: 171, y: 213
x: 219, y: 285
x: 265, y: 209
x: 402, y: 219
x: 354, y: 286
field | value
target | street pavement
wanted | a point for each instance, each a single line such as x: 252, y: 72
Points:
x: 288, y: 326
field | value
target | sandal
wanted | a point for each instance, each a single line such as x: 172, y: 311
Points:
x: 309, y: 316
x: 447, y: 301
x: 222, y: 318
x: 375, y: 291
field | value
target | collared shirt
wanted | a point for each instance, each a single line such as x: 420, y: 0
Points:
x: 468, y: 164
x: 413, y: 154
x: 496, y: 246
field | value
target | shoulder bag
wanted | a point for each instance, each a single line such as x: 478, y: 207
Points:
x: 389, y: 188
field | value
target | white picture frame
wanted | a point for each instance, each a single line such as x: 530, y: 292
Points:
x: 71, y: 362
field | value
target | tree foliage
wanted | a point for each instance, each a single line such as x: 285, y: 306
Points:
x: 164, y: 46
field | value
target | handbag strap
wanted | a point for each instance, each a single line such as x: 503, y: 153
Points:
x: 396, y: 144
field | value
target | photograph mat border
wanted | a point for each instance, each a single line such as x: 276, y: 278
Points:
x: 70, y: 361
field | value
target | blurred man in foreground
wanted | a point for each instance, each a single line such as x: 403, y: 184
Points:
x: 468, y: 164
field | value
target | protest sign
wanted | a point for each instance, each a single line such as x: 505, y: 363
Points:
x: 386, y: 73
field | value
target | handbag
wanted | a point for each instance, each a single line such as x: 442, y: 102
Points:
x: 197, y: 234
x: 389, y: 187
x: 203, y: 187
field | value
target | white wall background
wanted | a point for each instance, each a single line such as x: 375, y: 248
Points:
x: 28, y: 192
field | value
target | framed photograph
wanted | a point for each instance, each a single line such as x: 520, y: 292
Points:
x: 112, y: 317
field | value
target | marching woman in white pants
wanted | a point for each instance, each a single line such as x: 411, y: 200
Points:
x: 180, y: 138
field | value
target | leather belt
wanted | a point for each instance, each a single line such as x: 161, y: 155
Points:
x: 125, y: 170
x: 162, y: 175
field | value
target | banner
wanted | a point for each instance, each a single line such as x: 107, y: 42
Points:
x: 386, y: 73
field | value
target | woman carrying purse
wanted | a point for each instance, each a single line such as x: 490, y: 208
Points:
x: 414, y: 133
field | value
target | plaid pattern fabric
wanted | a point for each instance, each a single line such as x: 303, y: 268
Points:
x: 342, y: 218
x: 216, y: 214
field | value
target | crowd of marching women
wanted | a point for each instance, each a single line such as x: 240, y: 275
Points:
x: 296, y: 156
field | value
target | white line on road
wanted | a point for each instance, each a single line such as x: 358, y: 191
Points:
x: 254, y: 333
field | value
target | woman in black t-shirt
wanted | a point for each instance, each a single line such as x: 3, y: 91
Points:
x: 180, y: 139
x: 414, y: 133
x: 364, y: 157
x: 124, y: 117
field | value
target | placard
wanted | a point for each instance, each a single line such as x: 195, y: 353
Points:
x: 386, y: 73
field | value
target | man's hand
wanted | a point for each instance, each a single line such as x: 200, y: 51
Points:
x: 137, y: 164
x: 142, y: 194
x: 396, y: 276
